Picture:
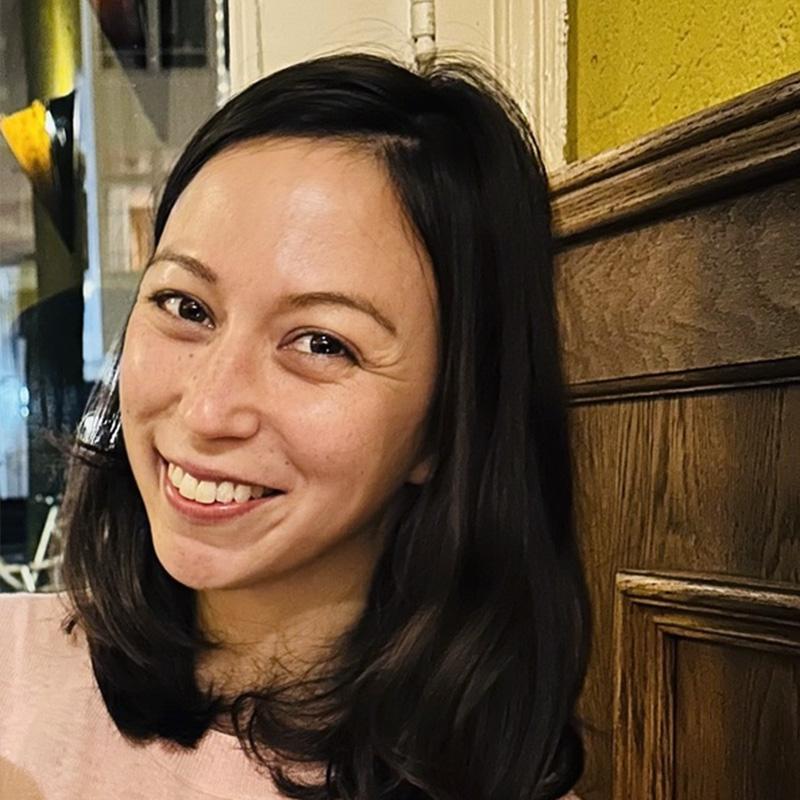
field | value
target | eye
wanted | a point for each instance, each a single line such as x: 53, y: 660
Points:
x: 318, y: 343
x: 182, y: 306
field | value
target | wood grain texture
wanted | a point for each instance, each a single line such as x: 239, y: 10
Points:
x: 720, y: 148
x: 719, y: 689
x: 692, y: 484
x: 715, y: 286
x: 678, y: 286
x: 675, y: 724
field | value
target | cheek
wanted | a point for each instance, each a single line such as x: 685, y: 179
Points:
x: 366, y: 436
x: 145, y: 370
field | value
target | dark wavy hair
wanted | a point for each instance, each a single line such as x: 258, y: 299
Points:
x: 460, y: 677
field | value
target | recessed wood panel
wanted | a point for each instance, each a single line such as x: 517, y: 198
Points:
x: 669, y: 714
x: 736, y: 722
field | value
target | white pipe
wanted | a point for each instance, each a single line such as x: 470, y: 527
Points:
x: 423, y: 31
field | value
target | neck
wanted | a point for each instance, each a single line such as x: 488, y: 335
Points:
x: 284, y: 627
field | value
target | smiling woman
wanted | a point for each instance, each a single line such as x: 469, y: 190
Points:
x: 332, y: 553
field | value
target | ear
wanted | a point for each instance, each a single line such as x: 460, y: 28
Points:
x: 421, y: 472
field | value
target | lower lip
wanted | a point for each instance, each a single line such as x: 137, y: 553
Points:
x: 212, y: 512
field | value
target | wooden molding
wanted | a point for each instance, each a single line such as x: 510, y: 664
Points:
x: 653, y: 614
x: 720, y: 148
x: 715, y: 595
x: 692, y: 381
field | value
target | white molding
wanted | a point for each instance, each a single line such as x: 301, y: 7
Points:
x: 525, y: 39
x: 530, y: 51
x: 245, y: 43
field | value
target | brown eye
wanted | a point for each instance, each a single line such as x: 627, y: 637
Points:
x: 317, y: 343
x: 183, y: 307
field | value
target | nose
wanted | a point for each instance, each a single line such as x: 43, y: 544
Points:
x: 220, y: 394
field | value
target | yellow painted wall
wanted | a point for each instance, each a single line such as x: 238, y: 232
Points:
x: 636, y: 65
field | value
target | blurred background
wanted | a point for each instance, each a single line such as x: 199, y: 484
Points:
x: 96, y: 98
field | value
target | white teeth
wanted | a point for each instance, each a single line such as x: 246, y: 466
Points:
x: 241, y: 494
x: 225, y: 492
x: 188, y: 486
x: 208, y: 492
x: 176, y: 477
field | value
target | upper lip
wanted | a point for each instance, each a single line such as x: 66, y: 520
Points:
x: 203, y: 474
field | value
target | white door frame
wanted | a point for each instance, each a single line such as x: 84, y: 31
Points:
x: 528, y: 46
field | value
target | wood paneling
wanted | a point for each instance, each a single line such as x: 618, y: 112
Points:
x: 703, y: 483
x: 661, y: 384
x: 679, y: 299
x: 698, y: 659
x: 755, y: 692
x: 718, y: 285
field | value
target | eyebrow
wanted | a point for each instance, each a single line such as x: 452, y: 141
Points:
x: 190, y: 263
x: 304, y: 300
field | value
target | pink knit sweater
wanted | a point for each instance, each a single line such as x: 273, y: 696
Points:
x: 57, y: 741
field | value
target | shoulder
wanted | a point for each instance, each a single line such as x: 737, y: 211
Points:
x: 32, y: 639
x: 46, y: 678
x: 30, y: 615
x: 21, y: 608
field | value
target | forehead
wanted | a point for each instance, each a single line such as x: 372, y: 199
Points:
x: 301, y: 211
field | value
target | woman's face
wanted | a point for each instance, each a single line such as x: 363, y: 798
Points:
x: 284, y: 338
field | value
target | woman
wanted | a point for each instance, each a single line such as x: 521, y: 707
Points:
x: 331, y: 553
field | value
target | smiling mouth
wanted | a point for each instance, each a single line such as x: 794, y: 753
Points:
x: 195, y: 500
x: 207, y: 492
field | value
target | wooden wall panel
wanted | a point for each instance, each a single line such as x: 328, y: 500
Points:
x: 705, y: 482
x: 720, y: 689
x: 679, y: 298
x: 708, y: 287
x: 706, y: 695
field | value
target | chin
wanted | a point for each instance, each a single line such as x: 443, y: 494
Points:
x: 198, y: 565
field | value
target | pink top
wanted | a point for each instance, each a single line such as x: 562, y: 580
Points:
x: 57, y: 741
